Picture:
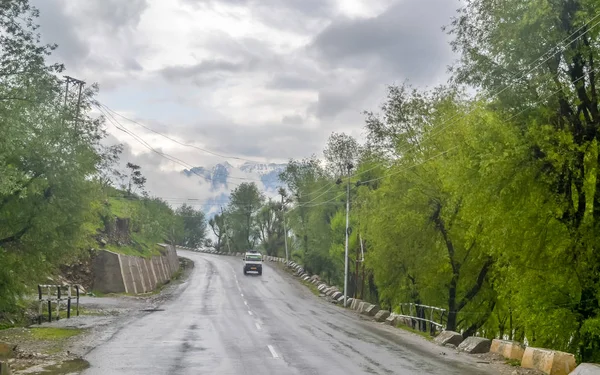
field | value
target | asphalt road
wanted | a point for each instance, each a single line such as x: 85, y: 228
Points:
x: 223, y: 322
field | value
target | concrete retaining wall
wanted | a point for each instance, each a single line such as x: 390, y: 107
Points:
x: 117, y: 273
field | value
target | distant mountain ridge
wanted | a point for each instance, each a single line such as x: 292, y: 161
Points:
x: 220, y: 177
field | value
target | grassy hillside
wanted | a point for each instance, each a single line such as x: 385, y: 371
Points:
x: 146, y: 221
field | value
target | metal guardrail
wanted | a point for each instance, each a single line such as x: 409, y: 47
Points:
x: 50, y: 297
x: 435, y: 322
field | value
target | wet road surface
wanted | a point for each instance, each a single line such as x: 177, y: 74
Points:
x: 223, y: 322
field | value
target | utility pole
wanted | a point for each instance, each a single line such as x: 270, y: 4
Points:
x: 282, y: 192
x: 69, y: 80
x: 347, y: 230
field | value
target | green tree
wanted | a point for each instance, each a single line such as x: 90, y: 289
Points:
x: 270, y: 227
x: 553, y: 100
x: 47, y: 160
x: 218, y: 227
x: 245, y: 203
x: 194, y: 226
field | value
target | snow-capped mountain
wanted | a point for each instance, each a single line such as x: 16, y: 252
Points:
x: 217, y: 176
x: 261, y: 168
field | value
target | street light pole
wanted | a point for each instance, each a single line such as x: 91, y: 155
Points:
x: 282, y: 192
x: 347, y: 226
x: 285, y: 239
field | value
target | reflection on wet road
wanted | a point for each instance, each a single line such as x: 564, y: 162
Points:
x: 226, y: 323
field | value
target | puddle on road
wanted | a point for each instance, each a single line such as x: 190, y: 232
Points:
x: 152, y: 309
x: 73, y: 366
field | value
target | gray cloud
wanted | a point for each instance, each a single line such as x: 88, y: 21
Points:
x: 292, y: 120
x: 72, y: 25
x: 293, y: 15
x: 406, y: 40
x: 178, y: 72
x: 273, y: 141
x: 115, y: 14
x: 58, y: 27
x: 291, y: 81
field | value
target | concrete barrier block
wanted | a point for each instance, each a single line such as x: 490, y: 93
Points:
x: 587, y: 369
x: 449, y: 337
x: 382, y: 315
x: 337, y: 295
x: 362, y: 306
x: 475, y: 345
x: 321, y: 287
x: 551, y: 362
x: 404, y: 321
x: 391, y: 320
x: 355, y: 303
x: 372, y: 310
x: 349, y: 302
x: 508, y: 349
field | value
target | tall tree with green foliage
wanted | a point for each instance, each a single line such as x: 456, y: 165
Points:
x: 194, y: 226
x: 244, y: 205
x: 47, y: 160
x: 548, y: 83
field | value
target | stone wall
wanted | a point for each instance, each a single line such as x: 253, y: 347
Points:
x: 116, y: 273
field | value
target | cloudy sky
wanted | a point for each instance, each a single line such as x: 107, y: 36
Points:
x: 264, y: 80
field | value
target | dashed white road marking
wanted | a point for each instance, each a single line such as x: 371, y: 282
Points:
x: 246, y: 303
x: 257, y: 326
x: 242, y: 294
x: 249, y: 312
x: 273, y: 352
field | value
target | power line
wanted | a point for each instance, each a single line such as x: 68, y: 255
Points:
x: 109, y: 111
x: 175, y: 140
x: 448, y: 124
x: 174, y: 159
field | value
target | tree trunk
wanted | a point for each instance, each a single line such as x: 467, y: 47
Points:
x: 451, y: 324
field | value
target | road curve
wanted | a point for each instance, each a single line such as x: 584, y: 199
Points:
x: 223, y: 322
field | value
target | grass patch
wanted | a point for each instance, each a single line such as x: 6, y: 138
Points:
x: 50, y: 333
x: 140, y: 246
x: 312, y: 287
x: 122, y: 207
x: 66, y: 367
x: 513, y: 362
x: 415, y: 331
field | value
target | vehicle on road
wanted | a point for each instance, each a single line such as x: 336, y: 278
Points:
x: 253, y: 262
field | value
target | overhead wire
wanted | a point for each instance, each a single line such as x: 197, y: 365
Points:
x: 446, y: 151
x: 108, y: 115
x: 140, y: 140
x: 177, y: 141
x: 448, y: 123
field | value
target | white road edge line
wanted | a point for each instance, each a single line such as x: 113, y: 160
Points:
x: 257, y: 326
x: 273, y: 352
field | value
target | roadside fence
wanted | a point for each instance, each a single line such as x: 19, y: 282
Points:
x: 423, y: 317
x: 53, y: 294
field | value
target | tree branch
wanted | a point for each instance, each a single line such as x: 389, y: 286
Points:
x: 478, y: 284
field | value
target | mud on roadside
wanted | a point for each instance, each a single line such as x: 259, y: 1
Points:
x: 58, y: 347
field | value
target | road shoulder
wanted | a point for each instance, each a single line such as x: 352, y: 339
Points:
x: 58, y: 347
x: 489, y: 363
